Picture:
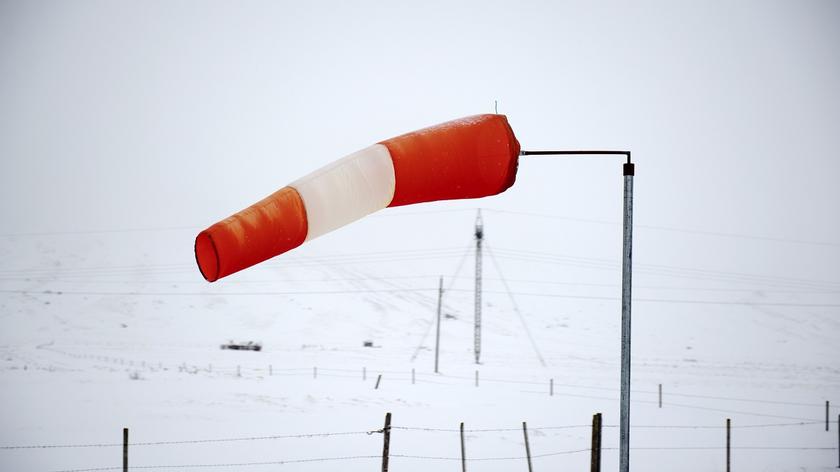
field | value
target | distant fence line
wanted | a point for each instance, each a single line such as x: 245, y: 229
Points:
x: 270, y: 370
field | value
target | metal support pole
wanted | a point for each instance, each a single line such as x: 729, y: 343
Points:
x: 437, y: 335
x: 626, y: 286
x: 826, y: 415
x: 660, y: 395
x: 479, y: 237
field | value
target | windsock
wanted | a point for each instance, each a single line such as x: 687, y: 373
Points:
x: 470, y: 157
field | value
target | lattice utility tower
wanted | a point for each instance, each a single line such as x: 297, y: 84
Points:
x: 479, y: 236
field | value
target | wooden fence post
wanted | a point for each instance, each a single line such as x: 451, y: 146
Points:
x: 728, y: 442
x: 463, y: 453
x: 826, y: 415
x: 660, y: 395
x: 125, y: 449
x: 378, y: 379
x: 595, y: 456
x: 551, y: 387
x: 387, y: 442
x: 476, y: 378
x: 527, y: 446
x: 364, y: 373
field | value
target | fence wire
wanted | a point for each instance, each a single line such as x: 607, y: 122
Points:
x: 392, y: 427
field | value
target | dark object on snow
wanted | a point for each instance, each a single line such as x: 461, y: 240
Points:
x: 368, y: 344
x: 249, y: 346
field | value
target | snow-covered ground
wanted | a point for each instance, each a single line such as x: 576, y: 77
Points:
x: 110, y: 330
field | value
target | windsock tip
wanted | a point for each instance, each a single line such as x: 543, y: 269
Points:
x: 206, y: 256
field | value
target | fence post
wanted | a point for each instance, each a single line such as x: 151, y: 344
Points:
x: 826, y: 415
x: 378, y: 379
x: 125, y: 449
x: 527, y: 446
x: 476, y: 378
x: 314, y: 372
x: 660, y: 395
x: 364, y: 373
x: 728, y: 442
x: 595, y: 455
x: 238, y: 371
x: 463, y: 453
x: 387, y: 441
x: 551, y: 387
x: 412, y: 376
x: 838, y: 441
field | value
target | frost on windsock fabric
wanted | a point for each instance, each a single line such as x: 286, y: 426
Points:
x: 470, y: 157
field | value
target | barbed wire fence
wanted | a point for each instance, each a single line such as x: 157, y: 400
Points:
x: 594, y: 450
x: 546, y: 387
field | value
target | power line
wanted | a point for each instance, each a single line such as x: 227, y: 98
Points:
x: 432, y: 323
x: 668, y: 228
x: 398, y: 290
x: 99, y: 231
x: 394, y: 213
x: 658, y: 269
x: 516, y: 307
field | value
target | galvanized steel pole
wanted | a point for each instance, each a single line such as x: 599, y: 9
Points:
x: 626, y: 290
x: 479, y: 236
x: 626, y: 286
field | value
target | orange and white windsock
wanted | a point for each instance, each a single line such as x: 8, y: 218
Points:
x: 470, y: 157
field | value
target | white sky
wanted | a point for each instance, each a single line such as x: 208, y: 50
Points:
x: 154, y: 114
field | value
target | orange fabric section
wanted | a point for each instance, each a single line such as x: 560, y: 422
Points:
x: 265, y: 229
x: 472, y: 157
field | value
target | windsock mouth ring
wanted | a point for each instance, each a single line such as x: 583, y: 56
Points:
x: 207, y: 256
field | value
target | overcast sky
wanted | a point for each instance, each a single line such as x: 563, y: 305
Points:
x: 155, y: 114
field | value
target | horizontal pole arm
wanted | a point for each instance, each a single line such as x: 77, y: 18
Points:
x: 577, y: 153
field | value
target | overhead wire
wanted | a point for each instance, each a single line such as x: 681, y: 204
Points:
x: 422, y: 343
x: 516, y: 308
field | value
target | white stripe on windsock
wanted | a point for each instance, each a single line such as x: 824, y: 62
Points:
x: 346, y: 190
